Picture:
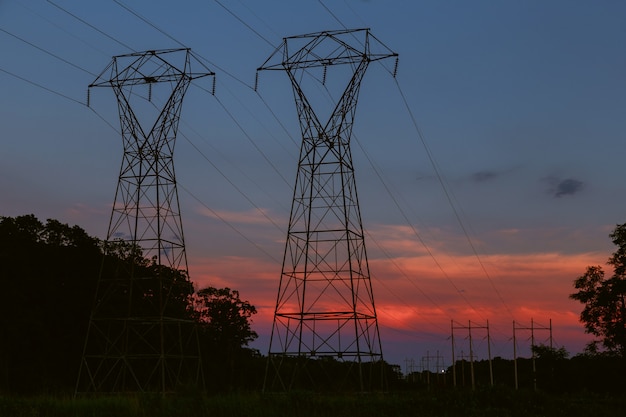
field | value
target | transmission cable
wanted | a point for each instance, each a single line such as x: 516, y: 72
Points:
x: 427, y: 248
x: 226, y: 222
x: 329, y: 95
x: 145, y: 20
x: 61, y: 28
x: 274, y: 115
x: 47, y: 52
x: 252, y: 141
x: 91, y: 26
x: 232, y: 183
x: 261, y: 20
x: 448, y: 196
x: 382, y: 283
x: 417, y: 235
x: 242, y: 22
x: 163, y: 32
x: 332, y: 14
x: 431, y: 158
x: 223, y: 174
x: 42, y: 87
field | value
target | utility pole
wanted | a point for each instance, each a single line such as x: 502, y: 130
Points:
x: 469, y: 329
x: 410, y: 369
x: 532, y: 329
x: 325, y: 303
x: 140, y: 338
x: 438, y: 359
x: 453, y: 358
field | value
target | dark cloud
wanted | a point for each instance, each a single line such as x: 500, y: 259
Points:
x: 568, y: 186
x: 481, y: 176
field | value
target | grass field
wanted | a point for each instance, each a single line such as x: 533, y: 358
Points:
x: 496, y: 402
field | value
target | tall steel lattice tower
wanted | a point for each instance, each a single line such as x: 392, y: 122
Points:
x: 325, y: 330
x: 140, y: 338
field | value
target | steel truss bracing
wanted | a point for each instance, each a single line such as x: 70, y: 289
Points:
x: 139, y: 337
x: 325, y: 311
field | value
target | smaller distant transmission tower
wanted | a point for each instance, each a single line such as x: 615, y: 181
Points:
x: 325, y: 331
x: 139, y: 338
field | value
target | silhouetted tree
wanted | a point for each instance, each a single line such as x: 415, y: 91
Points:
x: 225, y: 332
x: 48, y: 275
x: 604, y: 312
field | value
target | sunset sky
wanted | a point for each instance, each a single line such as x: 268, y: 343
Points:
x: 490, y: 171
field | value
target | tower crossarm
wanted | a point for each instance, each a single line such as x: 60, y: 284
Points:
x: 327, y: 48
x: 150, y: 67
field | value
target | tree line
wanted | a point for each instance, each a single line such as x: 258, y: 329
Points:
x: 49, y: 273
x: 48, y: 276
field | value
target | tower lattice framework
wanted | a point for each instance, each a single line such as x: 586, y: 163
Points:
x: 140, y: 336
x: 325, y: 324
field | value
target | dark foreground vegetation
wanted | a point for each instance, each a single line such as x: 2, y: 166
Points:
x: 49, y: 271
x: 496, y: 402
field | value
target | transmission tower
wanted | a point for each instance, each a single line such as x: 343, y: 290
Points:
x: 140, y: 337
x: 325, y: 315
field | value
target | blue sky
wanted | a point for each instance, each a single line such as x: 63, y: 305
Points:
x: 510, y: 190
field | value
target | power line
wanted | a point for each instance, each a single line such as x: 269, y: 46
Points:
x: 42, y: 87
x: 232, y: 184
x: 146, y: 21
x: 445, y: 189
x: 229, y: 224
x: 261, y: 20
x: 332, y: 14
x: 243, y: 23
x: 90, y: 25
x: 47, y: 52
x: 252, y: 141
x: 232, y: 116
x: 61, y: 28
x: 410, y: 224
x: 439, y: 266
x: 458, y: 291
x: 273, y: 166
x: 448, y: 196
x: 163, y: 32
x: 154, y: 26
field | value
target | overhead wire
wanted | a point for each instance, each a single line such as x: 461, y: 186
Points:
x: 232, y: 116
x: 61, y: 28
x: 90, y: 25
x: 415, y: 232
x: 19, y: 77
x: 245, y: 133
x: 193, y: 145
x: 229, y: 224
x: 48, y: 89
x: 242, y: 22
x: 261, y: 20
x: 228, y: 112
x: 116, y: 130
x: 447, y: 194
x: 237, y: 188
x: 181, y: 44
x: 329, y: 96
x: 446, y: 190
x: 443, y: 185
x: 393, y: 198
x: 249, y: 138
x: 47, y: 52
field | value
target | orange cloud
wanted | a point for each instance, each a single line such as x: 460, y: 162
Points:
x: 419, y: 290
